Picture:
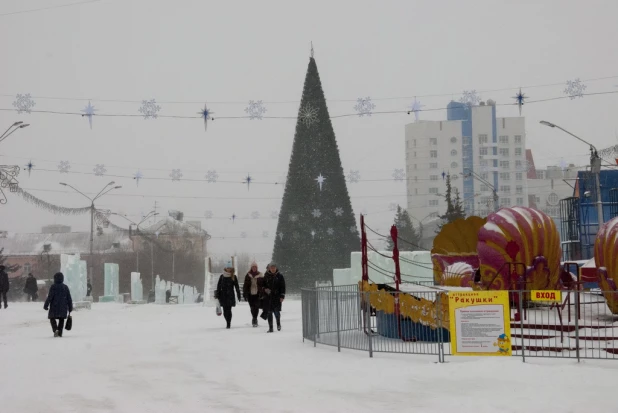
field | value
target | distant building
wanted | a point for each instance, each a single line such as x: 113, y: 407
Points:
x: 56, y: 229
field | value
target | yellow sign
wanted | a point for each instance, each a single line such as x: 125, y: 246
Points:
x: 480, y: 323
x: 553, y: 296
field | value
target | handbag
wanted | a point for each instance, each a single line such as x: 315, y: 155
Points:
x: 69, y: 324
x: 219, y: 311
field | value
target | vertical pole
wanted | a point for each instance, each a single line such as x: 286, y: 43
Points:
x: 338, y: 325
x: 173, y: 266
x: 577, y: 326
x: 521, y: 327
x: 440, y: 336
x: 152, y: 266
x: 599, y: 198
x: 91, y: 260
x: 397, y: 278
x: 364, y: 258
x: 316, y: 319
x: 496, y: 205
x: 368, y: 323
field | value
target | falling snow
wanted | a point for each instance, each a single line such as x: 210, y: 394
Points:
x: 470, y: 98
x: 308, y: 115
x: 353, y: 177
x: 338, y: 212
x: 399, y: 175
x: 149, y: 109
x: 211, y: 176
x: 364, y: 106
x: 316, y: 213
x: 64, y: 167
x: 176, y: 174
x: 255, y: 110
x: 99, y: 170
x: 24, y: 103
x: 575, y: 88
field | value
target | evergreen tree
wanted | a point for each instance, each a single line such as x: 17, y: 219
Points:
x: 409, y: 237
x: 317, y: 230
x: 454, y: 206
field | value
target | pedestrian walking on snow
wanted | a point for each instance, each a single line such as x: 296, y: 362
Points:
x: 228, y: 282
x: 31, y: 288
x: 4, y: 285
x: 274, y: 294
x: 59, y: 304
x: 253, y: 291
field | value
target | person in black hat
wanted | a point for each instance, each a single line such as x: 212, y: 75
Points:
x: 274, y: 294
x: 31, y: 288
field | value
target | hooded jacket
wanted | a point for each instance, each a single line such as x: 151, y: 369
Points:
x: 59, y: 301
x: 4, y: 281
x: 225, y: 290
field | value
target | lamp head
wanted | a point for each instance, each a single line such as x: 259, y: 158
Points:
x: 118, y: 187
x: 19, y: 122
x: 24, y: 125
x: 544, y: 122
x: 63, y: 184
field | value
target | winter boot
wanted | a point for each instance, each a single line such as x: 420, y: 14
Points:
x: 229, y: 325
x: 278, y: 327
x: 254, y: 322
x: 56, y: 333
x: 270, y: 330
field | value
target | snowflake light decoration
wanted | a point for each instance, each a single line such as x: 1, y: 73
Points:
x: 274, y: 214
x: 176, y: 174
x: 255, y: 109
x: 519, y: 100
x: 89, y: 112
x: 211, y: 176
x: 470, y: 98
x: 399, y: 175
x: 415, y: 108
x: 293, y: 217
x: 320, y: 180
x: 316, y: 213
x: 392, y: 206
x: 138, y: 175
x: 308, y: 115
x: 208, y: 214
x: 280, y: 236
x: 265, y: 234
x: 24, y: 103
x: 64, y: 166
x: 255, y: 215
x: 364, y: 106
x: 575, y: 88
x: 149, y: 109
x: 99, y: 170
x: 29, y: 167
x: 313, y: 234
x: 353, y: 177
x: 243, y: 234
x: 338, y: 212
x: 330, y: 231
x: 206, y: 115
x: 353, y: 229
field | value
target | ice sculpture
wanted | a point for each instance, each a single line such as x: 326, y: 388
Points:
x: 606, y: 261
x: 415, y: 266
x: 137, y: 289
x: 111, y: 286
x: 75, y: 277
x: 342, y: 276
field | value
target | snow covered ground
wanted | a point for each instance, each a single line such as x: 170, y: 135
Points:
x: 157, y: 358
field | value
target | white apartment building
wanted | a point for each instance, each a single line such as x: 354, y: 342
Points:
x: 480, y: 151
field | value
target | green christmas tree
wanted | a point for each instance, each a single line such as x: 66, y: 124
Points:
x: 317, y: 230
x: 454, y: 206
x: 409, y: 239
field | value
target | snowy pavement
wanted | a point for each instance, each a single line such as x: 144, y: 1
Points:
x: 156, y: 358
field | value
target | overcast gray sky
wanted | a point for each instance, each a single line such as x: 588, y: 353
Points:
x: 221, y: 52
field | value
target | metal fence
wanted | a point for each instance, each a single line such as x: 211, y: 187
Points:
x: 580, y: 326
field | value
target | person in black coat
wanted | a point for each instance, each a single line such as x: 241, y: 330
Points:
x: 253, y: 291
x: 31, y: 288
x: 228, y: 282
x: 4, y: 285
x: 274, y: 294
x: 59, y: 303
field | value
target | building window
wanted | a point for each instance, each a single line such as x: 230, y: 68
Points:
x: 433, y: 141
x: 414, y: 142
x: 415, y: 191
x: 517, y: 151
x: 415, y: 154
x: 433, y: 177
x: 433, y: 154
x: 518, y: 139
x: 433, y: 165
x: 540, y: 174
x: 454, y: 177
x: 505, y: 164
x: 414, y: 166
x: 505, y: 188
x: 483, y: 163
x: 505, y: 176
x: 433, y: 190
x: 433, y: 202
x: 454, y: 165
x: 453, y: 140
x: 503, y: 139
x: 483, y: 151
x: 520, y: 201
x: 552, y: 198
x: 453, y: 152
x: 505, y: 202
x: 27, y: 268
x: 519, y: 189
x: 484, y: 188
x: 504, y: 152
x: 519, y: 176
x: 518, y: 164
x: 416, y: 179
x: 482, y: 139
x: 485, y: 176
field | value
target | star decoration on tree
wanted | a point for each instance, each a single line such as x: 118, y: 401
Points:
x: 29, y: 167
x: 353, y: 228
x: 316, y: 213
x: 206, y: 115
x: 313, y: 234
x: 293, y: 217
x: 280, y: 236
x: 138, y: 175
x: 330, y: 231
x: 89, y: 113
x: 308, y: 115
x: 520, y: 100
x: 320, y: 180
x: 338, y: 212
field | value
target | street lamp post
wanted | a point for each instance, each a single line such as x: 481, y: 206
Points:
x: 472, y: 174
x: 102, y: 192
x: 595, y: 167
x: 13, y: 128
x: 148, y: 216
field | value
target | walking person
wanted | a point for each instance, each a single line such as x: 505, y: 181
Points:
x: 228, y: 282
x: 4, y: 285
x: 253, y: 290
x: 274, y: 294
x: 31, y: 288
x: 59, y: 304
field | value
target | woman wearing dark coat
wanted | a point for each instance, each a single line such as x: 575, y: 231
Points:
x: 4, y: 285
x: 228, y: 282
x: 59, y: 304
x: 274, y: 294
x: 31, y: 288
x: 253, y: 291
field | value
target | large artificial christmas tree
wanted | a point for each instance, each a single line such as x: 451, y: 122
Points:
x: 317, y: 230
